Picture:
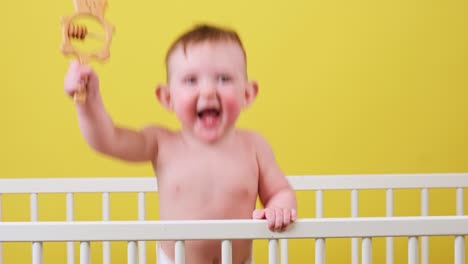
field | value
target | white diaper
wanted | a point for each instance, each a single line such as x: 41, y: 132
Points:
x: 161, y: 257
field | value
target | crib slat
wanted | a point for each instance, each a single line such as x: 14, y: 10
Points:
x: 319, y: 243
x: 319, y: 204
x: 36, y: 246
x: 1, y: 245
x: 106, y: 254
x: 459, y: 201
x: 85, y: 256
x: 354, y: 213
x: 226, y: 251
x: 179, y: 249
x: 37, y: 252
x: 459, y: 240
x: 273, y: 251
x: 33, y: 207
x: 141, y: 217
x: 284, y: 251
x: 132, y: 256
x: 70, y: 217
x: 320, y: 251
x: 459, y: 250
x: 389, y: 240
x: 412, y: 250
x: 424, y: 239
x: 366, y: 250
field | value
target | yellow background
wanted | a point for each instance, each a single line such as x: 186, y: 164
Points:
x: 346, y: 87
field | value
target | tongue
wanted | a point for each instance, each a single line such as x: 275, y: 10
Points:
x: 209, y: 119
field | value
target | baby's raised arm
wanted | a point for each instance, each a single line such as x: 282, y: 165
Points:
x: 97, y: 126
x: 276, y: 194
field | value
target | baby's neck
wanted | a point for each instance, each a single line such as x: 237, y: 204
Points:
x: 191, y: 139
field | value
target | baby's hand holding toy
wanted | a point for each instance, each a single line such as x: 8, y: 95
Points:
x: 78, y: 75
x: 93, y: 9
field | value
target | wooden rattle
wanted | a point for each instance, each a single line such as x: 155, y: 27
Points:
x: 92, y: 9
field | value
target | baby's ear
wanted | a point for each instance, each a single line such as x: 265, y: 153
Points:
x: 250, y: 93
x: 164, y: 97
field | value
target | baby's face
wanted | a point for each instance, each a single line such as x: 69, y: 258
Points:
x: 207, y: 86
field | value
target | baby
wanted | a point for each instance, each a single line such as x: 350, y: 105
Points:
x: 209, y: 169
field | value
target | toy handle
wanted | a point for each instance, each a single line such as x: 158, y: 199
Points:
x: 80, y: 95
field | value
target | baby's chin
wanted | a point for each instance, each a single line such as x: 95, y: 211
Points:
x: 209, y: 136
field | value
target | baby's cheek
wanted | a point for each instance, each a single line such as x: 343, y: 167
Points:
x: 232, y: 106
x: 184, y: 108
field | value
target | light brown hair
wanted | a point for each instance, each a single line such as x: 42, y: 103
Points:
x: 204, y: 32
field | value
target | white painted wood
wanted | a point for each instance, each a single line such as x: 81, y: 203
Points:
x: 141, y: 217
x: 232, y: 229
x: 85, y: 255
x: 319, y: 204
x: 366, y: 250
x: 132, y: 255
x: 36, y: 244
x: 389, y: 250
x: 105, y: 206
x: 460, y: 201
x: 273, y: 251
x: 319, y: 242
x: 354, y: 213
x: 37, y: 253
x: 81, y: 185
x: 412, y: 250
x: 320, y: 251
x: 424, y: 239
x: 70, y: 217
x: 179, y: 249
x: 379, y: 181
x: 33, y: 205
x: 298, y: 182
x: 1, y: 245
x: 332, y: 182
x: 459, y: 240
x: 460, y: 250
x: 105, y: 209
x: 284, y: 251
x: 70, y: 207
x: 226, y: 252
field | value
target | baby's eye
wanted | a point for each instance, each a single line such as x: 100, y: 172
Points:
x: 190, y: 80
x: 223, y: 78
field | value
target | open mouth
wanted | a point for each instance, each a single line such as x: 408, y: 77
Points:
x: 209, y: 112
x: 209, y: 117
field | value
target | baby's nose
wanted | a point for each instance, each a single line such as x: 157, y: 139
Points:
x: 208, y: 90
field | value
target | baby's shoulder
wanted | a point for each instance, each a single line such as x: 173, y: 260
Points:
x: 159, y: 132
x: 250, y: 136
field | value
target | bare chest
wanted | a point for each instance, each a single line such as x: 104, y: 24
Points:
x: 216, y: 178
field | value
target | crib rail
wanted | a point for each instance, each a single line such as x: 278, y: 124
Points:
x: 227, y: 230
x: 232, y: 229
x: 354, y: 227
x: 299, y: 182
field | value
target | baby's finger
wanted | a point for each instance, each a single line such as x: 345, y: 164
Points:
x: 293, y: 215
x: 286, y: 218
x: 258, y: 214
x: 279, y: 219
x: 270, y: 216
x: 72, y: 78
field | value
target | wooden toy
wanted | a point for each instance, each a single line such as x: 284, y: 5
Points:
x: 93, y: 9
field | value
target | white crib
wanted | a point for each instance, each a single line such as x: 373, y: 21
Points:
x: 320, y: 228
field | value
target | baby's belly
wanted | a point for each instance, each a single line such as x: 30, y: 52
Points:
x: 192, y: 202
